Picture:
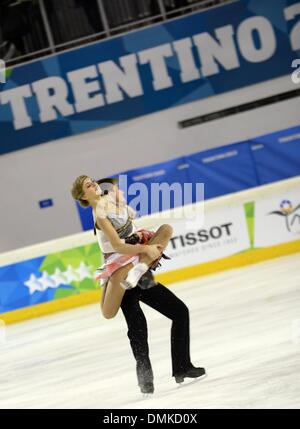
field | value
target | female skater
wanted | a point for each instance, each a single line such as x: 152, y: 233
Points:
x: 158, y: 297
x: 125, y: 264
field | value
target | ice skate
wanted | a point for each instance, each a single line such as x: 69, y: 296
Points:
x: 147, y: 389
x: 145, y: 378
x: 192, y: 372
x: 134, y: 275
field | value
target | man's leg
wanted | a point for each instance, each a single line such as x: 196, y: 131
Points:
x: 138, y: 336
x: 163, y: 300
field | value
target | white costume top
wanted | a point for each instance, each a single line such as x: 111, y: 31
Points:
x: 106, y: 208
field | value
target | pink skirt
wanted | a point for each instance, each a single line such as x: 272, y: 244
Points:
x: 114, y: 261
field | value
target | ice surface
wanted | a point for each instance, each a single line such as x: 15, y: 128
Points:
x: 243, y: 330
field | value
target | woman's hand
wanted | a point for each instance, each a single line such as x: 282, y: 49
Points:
x: 140, y: 235
x: 154, y: 251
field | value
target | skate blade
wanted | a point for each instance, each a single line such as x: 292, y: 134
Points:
x: 147, y: 395
x: 187, y: 381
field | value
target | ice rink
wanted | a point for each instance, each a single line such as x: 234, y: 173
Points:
x: 245, y: 330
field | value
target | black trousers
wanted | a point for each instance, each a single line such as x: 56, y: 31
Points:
x: 163, y: 300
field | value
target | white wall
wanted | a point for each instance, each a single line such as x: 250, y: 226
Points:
x: 47, y: 170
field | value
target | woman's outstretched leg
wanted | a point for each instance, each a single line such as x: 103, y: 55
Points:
x: 114, y: 292
x: 162, y: 237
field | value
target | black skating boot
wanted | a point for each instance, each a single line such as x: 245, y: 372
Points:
x: 191, y: 372
x: 145, y: 378
x: 147, y: 388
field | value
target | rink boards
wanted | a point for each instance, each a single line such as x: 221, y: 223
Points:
x: 228, y: 232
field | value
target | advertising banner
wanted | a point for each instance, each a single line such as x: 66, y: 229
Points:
x: 145, y: 71
x: 223, y: 170
x: 233, y: 225
x: 48, y: 278
x: 224, y: 233
x: 277, y: 219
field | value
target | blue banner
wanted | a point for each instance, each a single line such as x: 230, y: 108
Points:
x: 223, y: 170
x: 48, y: 278
x: 167, y: 65
x: 277, y: 156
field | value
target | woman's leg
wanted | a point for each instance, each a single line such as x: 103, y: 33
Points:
x: 113, y: 294
x: 162, y: 237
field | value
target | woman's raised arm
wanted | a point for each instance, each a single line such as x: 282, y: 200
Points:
x: 117, y: 243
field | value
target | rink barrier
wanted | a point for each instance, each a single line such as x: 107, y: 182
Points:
x: 254, y: 222
x: 235, y: 261
x: 183, y: 274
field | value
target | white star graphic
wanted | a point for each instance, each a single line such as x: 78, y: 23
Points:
x: 33, y: 284
x: 58, y: 278
x: 84, y: 272
x: 46, y: 281
x: 70, y: 274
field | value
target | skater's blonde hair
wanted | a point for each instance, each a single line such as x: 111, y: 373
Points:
x: 77, y: 190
